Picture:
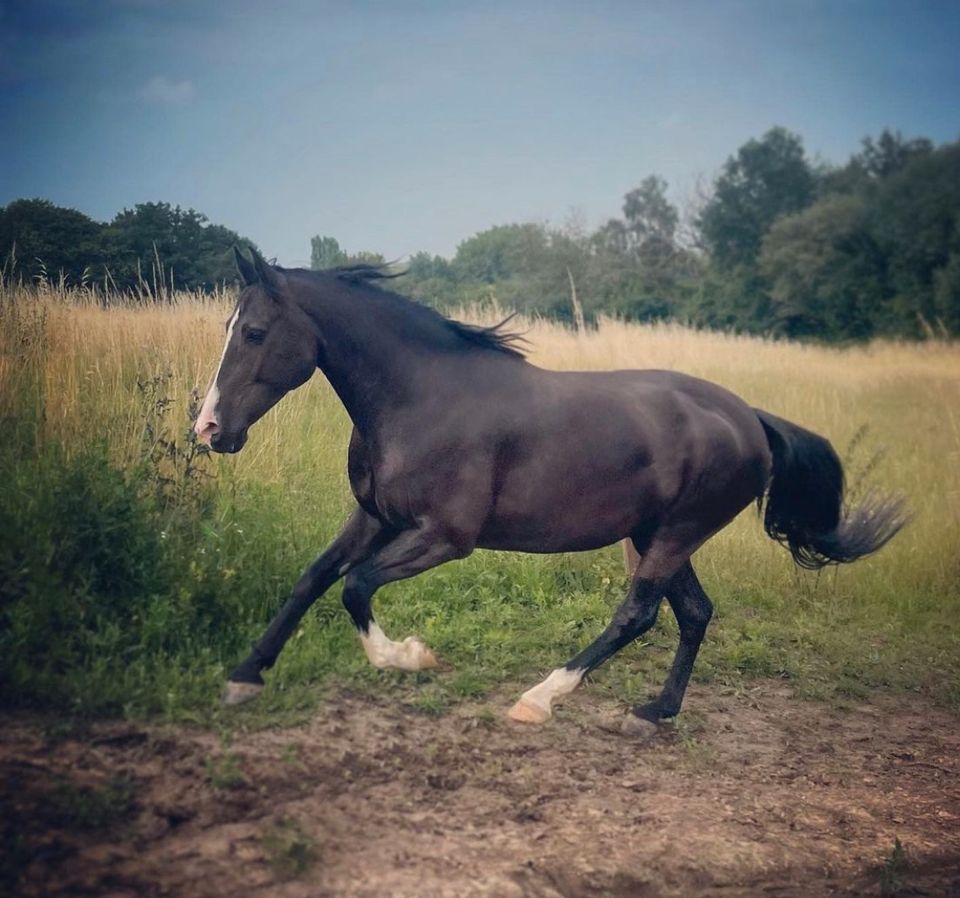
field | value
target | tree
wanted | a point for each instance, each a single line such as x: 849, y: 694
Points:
x: 155, y: 242
x: 889, y: 153
x: 500, y: 253
x: 428, y: 279
x: 650, y: 217
x: 915, y: 220
x: 641, y: 270
x: 946, y: 294
x: 325, y: 253
x: 879, y: 159
x: 824, y: 270
x: 767, y: 178
x: 44, y: 238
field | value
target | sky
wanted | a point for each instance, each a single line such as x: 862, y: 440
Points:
x: 410, y: 126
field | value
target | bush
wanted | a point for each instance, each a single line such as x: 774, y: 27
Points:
x: 81, y: 553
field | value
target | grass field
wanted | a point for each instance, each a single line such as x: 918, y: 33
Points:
x: 135, y: 572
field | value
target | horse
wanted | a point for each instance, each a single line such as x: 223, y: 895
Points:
x: 459, y: 443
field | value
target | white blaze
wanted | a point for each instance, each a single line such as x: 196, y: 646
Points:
x: 208, y: 411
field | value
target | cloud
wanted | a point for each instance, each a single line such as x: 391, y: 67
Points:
x: 164, y: 91
x: 671, y: 121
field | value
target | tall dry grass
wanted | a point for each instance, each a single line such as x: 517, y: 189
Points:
x: 891, y: 410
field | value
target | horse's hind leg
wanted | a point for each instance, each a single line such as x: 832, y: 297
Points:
x: 636, y: 615
x: 693, y: 611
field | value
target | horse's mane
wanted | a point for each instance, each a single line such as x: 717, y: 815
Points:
x: 494, y: 336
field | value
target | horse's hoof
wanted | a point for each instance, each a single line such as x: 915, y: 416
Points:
x: 638, y: 728
x: 425, y: 658
x: 526, y: 712
x: 239, y: 693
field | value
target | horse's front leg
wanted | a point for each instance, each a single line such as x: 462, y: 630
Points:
x: 361, y: 536
x: 409, y: 553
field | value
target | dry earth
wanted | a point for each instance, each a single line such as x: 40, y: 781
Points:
x: 751, y: 793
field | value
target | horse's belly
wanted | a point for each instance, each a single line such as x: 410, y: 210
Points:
x: 564, y: 516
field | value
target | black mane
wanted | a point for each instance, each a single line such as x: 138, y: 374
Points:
x: 494, y: 336
x: 356, y: 274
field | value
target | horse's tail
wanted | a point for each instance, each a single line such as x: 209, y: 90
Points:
x: 804, y: 501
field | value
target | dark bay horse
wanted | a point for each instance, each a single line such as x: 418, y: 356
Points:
x: 459, y: 443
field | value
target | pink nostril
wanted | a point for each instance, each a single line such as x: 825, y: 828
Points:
x: 206, y: 429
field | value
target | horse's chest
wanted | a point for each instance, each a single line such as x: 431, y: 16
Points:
x: 383, y: 484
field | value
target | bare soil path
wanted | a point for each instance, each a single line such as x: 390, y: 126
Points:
x: 751, y: 793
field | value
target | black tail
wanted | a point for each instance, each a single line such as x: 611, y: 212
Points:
x: 804, y: 502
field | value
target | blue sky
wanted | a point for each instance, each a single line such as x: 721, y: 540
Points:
x: 408, y: 126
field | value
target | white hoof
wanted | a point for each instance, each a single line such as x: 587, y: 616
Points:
x: 420, y: 656
x: 239, y: 693
x: 410, y: 654
x: 527, y: 712
x: 535, y: 705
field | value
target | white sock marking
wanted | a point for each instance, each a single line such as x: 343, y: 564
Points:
x: 560, y: 682
x: 411, y: 654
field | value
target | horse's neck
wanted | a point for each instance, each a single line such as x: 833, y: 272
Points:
x: 369, y: 366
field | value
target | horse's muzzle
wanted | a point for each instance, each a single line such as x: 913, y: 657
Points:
x: 228, y: 442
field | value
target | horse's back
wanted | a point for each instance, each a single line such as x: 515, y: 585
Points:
x: 597, y: 455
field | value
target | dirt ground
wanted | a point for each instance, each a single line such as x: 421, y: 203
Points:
x: 751, y: 793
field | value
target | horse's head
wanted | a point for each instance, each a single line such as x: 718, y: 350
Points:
x: 270, y: 349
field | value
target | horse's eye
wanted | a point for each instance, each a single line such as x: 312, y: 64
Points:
x: 256, y: 336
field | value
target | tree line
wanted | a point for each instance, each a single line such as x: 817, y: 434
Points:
x: 154, y: 245
x: 778, y: 243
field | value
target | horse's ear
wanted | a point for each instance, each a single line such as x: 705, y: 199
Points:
x: 247, y: 271
x: 268, y: 276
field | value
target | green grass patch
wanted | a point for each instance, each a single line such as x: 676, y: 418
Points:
x: 290, y: 851
x: 91, y: 808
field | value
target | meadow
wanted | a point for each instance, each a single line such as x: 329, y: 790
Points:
x: 135, y: 569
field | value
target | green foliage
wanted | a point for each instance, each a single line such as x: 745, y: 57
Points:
x: 225, y: 772
x: 38, y: 238
x: 824, y: 270
x: 631, y: 268
x: 889, y: 153
x: 149, y: 249
x: 893, y: 869
x: 290, y: 851
x: 91, y: 807
x: 915, y: 219
x: 877, y: 254
x: 767, y: 178
x: 788, y: 248
x: 779, y: 246
x: 172, y: 465
x: 325, y: 252
x: 155, y: 244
